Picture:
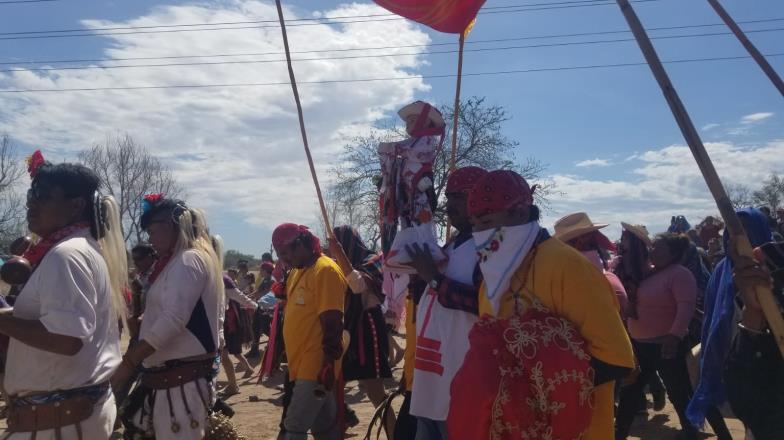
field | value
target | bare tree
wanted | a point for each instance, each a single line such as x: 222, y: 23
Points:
x: 740, y: 196
x: 481, y: 142
x: 12, y: 206
x: 128, y: 171
x: 771, y: 193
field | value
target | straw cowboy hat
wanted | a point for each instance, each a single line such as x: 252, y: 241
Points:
x: 415, y: 109
x: 640, y: 231
x: 574, y: 225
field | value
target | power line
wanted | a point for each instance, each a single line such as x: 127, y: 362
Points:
x: 496, y: 40
x: 351, y: 57
x: 361, y: 80
x: 288, y: 22
x: 27, y: 35
x: 11, y: 2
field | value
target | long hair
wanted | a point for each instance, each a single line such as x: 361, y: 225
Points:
x: 219, y: 247
x: 194, y: 234
x: 108, y: 233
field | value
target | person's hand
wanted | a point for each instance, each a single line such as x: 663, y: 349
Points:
x: 669, y: 346
x: 749, y: 275
x: 326, y: 376
x: 122, y: 375
x: 339, y: 254
x: 632, y: 376
x: 422, y: 261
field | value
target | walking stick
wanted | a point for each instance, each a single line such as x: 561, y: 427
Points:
x: 735, y: 227
x: 340, y: 255
x: 758, y: 57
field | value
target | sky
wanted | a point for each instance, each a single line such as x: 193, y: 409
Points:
x: 606, y: 135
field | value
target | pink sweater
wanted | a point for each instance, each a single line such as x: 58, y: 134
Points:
x: 665, y: 304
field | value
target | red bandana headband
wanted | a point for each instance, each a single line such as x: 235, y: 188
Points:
x: 462, y: 180
x: 499, y: 191
x: 287, y: 233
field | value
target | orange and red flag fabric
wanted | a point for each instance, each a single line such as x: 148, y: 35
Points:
x: 451, y: 16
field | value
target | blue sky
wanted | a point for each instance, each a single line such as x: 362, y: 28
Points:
x: 607, y: 136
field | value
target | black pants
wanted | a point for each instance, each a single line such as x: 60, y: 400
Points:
x: 675, y: 376
x: 406, y: 425
x: 261, y: 326
x: 754, y: 377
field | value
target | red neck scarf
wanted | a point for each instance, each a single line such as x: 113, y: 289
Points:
x: 160, y: 264
x: 37, y: 252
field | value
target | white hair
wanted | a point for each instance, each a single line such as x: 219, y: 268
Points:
x: 112, y: 247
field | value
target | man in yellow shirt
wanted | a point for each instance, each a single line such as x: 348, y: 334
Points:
x: 312, y: 330
x: 506, y: 231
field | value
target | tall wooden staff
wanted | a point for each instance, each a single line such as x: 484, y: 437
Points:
x: 340, y: 256
x: 758, y: 57
x: 456, y: 120
x: 764, y: 295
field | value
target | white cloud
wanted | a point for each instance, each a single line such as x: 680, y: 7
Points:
x: 237, y: 150
x: 593, y: 163
x: 755, y: 117
x: 666, y: 182
x: 708, y: 127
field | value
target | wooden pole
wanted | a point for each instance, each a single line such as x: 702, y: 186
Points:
x: 338, y: 252
x: 455, y: 119
x: 302, y: 119
x: 735, y: 227
x: 758, y: 57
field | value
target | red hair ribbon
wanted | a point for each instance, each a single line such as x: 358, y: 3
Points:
x: 34, y: 162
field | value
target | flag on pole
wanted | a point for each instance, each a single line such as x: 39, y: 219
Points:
x: 452, y: 16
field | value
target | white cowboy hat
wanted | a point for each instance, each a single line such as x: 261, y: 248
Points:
x: 574, y: 225
x: 415, y: 109
x: 640, y: 231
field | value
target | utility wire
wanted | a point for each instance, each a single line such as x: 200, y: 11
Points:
x: 496, y: 40
x: 362, y: 80
x: 352, y: 57
x: 13, y: 2
x: 63, y: 33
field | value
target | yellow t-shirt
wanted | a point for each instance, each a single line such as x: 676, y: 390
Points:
x: 571, y: 287
x: 408, y: 355
x: 311, y: 291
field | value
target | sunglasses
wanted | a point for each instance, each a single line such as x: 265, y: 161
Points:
x: 39, y: 194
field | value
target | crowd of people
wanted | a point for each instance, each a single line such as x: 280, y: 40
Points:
x: 511, y: 331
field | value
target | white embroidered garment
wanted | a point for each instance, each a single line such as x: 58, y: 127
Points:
x: 442, y: 339
x: 501, y: 251
x: 184, y: 311
x: 70, y: 294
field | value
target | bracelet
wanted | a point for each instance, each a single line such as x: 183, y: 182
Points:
x: 751, y: 330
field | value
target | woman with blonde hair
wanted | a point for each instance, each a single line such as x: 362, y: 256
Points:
x: 179, y: 335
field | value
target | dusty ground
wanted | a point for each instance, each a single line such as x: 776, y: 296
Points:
x: 259, y: 420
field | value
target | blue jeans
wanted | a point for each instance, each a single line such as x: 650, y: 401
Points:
x: 430, y: 429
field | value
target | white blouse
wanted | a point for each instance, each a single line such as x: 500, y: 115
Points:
x: 183, y: 310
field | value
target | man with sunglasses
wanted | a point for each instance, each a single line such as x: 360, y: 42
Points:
x: 64, y: 337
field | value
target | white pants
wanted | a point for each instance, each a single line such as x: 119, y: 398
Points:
x: 191, y: 426
x: 98, y: 426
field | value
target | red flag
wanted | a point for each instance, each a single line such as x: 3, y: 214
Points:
x: 451, y: 16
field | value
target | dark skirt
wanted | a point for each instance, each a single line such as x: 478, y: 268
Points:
x: 233, y: 342
x: 368, y: 352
